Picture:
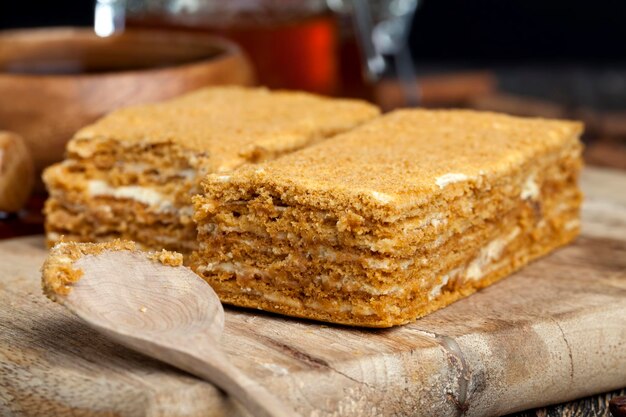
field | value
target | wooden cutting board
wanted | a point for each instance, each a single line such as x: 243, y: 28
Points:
x: 555, y: 331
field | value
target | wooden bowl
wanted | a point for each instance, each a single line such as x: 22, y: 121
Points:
x: 55, y: 81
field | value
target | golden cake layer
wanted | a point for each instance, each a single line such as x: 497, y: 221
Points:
x: 392, y: 220
x: 131, y: 175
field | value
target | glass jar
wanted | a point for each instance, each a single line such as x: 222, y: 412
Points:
x: 332, y: 47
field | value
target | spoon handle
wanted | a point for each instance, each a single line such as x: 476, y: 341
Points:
x: 211, y: 364
x: 254, y: 397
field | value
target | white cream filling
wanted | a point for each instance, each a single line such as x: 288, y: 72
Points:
x: 223, y: 178
x: 231, y: 268
x: 438, y: 222
x: 433, y: 219
x: 138, y: 193
x: 436, y: 289
x: 530, y: 189
x: 488, y: 254
x: 450, y: 178
x: 281, y: 299
x: 384, y: 264
x: 382, y: 197
x: 354, y: 284
x: 343, y: 308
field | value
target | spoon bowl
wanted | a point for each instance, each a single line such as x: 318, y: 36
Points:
x: 176, y: 303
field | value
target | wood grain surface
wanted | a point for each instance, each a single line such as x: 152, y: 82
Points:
x: 551, y: 333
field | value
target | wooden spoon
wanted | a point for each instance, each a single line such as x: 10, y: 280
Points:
x: 166, y: 312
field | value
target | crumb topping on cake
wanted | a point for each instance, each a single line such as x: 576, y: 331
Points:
x: 230, y: 124
x: 412, y: 157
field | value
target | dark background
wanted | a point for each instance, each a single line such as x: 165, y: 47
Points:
x: 475, y: 31
x: 572, y: 53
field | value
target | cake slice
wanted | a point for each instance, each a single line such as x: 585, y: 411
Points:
x: 393, y: 220
x: 131, y: 175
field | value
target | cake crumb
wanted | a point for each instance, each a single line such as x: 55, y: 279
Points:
x: 58, y: 272
x: 167, y: 258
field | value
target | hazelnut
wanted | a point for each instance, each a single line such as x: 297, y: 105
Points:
x: 17, y: 173
x: 617, y: 406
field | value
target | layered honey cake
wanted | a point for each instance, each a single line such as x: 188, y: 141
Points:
x: 131, y: 175
x: 393, y: 220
